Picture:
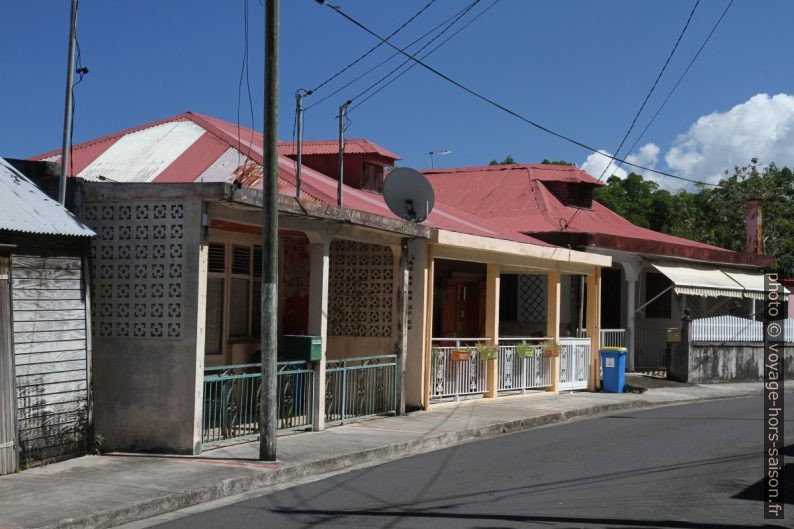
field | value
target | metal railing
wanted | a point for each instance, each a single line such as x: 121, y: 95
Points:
x: 609, y: 337
x: 457, y: 369
x: 232, y: 394
x: 360, y: 387
x: 522, y: 365
x: 574, y: 363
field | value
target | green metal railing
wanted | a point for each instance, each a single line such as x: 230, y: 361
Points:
x: 360, y: 387
x: 231, y: 400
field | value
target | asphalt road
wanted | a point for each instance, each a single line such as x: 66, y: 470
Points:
x: 696, y: 466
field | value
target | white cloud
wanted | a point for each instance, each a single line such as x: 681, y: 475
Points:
x: 596, y: 162
x: 647, y: 155
x: 761, y: 127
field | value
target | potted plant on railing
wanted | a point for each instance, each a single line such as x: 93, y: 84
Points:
x: 551, y: 348
x: 488, y: 351
x: 460, y: 355
x: 525, y: 350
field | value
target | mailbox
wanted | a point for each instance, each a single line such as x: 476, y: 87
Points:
x: 299, y: 348
x: 673, y: 334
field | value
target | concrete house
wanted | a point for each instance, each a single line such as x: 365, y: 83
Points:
x: 654, y: 276
x: 45, y: 343
x: 177, y: 208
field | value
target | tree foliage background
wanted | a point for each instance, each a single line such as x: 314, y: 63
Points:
x: 713, y: 215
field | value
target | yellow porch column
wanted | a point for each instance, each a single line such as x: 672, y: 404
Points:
x: 492, y: 325
x: 428, y: 343
x: 594, y: 326
x: 553, y: 323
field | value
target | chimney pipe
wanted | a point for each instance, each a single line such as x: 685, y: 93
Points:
x: 754, y: 226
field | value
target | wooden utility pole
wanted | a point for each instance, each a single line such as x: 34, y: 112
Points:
x: 341, y: 183
x: 268, y: 412
x: 67, y: 113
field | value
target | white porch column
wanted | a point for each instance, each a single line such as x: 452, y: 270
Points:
x: 319, y: 264
x: 631, y: 271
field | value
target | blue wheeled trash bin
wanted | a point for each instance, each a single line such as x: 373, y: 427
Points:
x: 613, y: 365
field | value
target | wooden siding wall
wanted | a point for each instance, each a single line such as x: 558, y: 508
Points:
x: 8, y: 433
x: 51, y: 357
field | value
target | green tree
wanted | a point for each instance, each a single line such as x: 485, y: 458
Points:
x: 507, y: 161
x: 717, y: 215
x: 638, y: 200
x: 713, y: 215
x: 559, y: 162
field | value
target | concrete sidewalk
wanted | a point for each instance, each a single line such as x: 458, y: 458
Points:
x: 108, y: 490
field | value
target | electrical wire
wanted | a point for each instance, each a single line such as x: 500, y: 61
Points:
x: 417, y: 52
x: 384, y: 61
x: 501, y: 107
x: 244, y: 75
x: 467, y: 24
x: 642, y: 107
x: 81, y: 71
x: 689, y: 66
x: 368, y: 52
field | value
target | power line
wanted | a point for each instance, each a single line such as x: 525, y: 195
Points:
x: 689, y: 66
x: 501, y: 107
x: 244, y: 75
x: 384, y: 61
x: 425, y: 55
x: 81, y: 71
x: 644, y: 102
x: 406, y: 61
x: 368, y: 52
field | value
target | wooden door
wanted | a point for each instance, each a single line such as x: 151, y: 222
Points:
x: 461, y: 314
x: 8, y: 434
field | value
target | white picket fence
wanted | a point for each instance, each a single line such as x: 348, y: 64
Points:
x: 734, y: 329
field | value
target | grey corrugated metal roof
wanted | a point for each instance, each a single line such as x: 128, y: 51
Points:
x: 26, y: 208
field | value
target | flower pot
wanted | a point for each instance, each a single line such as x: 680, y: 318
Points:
x: 525, y: 351
x: 460, y: 355
x: 551, y: 349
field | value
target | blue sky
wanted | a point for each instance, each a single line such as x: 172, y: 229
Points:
x: 578, y: 67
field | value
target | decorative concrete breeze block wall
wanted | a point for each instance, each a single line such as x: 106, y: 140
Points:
x: 148, y: 320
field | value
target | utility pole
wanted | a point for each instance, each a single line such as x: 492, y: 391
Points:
x: 67, y: 113
x: 299, y: 106
x: 268, y: 403
x: 342, y: 110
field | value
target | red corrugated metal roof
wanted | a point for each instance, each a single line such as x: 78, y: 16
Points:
x: 515, y: 197
x: 205, y: 155
x: 352, y: 146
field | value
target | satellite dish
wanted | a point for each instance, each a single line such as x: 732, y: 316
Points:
x: 408, y: 194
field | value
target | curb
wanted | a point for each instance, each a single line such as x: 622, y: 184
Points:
x: 233, y: 486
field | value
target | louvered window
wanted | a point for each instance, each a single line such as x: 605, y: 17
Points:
x: 241, y: 260
x: 217, y: 258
